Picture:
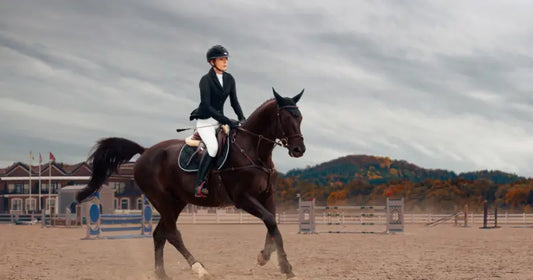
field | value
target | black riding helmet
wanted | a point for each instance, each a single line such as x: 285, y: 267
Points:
x: 216, y: 52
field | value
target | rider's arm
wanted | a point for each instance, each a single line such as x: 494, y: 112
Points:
x: 205, y: 103
x: 235, y: 102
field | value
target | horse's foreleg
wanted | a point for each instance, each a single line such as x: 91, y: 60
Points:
x: 254, y: 207
x: 264, y: 255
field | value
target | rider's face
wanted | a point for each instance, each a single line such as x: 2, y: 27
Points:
x: 221, y: 63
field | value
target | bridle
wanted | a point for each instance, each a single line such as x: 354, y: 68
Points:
x: 283, y: 141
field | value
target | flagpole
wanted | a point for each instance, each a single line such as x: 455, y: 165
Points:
x: 29, y: 200
x: 49, y: 184
x: 40, y: 196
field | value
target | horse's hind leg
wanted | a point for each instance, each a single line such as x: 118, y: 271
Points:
x: 159, y: 244
x: 160, y: 238
x: 174, y: 237
x: 270, y: 246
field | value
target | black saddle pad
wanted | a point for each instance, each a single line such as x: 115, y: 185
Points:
x: 189, y: 158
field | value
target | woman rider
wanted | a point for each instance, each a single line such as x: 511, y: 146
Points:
x: 215, y: 87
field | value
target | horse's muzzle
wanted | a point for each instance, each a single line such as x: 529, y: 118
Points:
x: 297, y: 151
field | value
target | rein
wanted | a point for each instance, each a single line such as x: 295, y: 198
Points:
x: 282, y: 142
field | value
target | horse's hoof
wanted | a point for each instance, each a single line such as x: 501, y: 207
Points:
x: 161, y: 274
x: 291, y: 276
x: 261, y: 260
x: 202, y: 273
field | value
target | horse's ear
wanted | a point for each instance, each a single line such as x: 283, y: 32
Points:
x: 279, y: 99
x: 298, y: 96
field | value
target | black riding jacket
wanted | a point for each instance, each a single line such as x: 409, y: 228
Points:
x: 213, y: 96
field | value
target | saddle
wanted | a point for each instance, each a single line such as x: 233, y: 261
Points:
x: 191, y: 153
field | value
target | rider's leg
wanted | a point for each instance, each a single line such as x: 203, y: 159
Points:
x: 207, y: 130
x: 200, y: 190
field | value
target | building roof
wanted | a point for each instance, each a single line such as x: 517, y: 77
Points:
x: 69, y: 168
x: 60, y: 169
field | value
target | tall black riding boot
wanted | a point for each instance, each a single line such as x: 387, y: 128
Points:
x: 200, y: 190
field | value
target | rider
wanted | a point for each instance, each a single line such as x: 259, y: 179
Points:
x: 215, y: 87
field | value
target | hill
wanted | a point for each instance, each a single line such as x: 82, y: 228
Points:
x: 381, y: 170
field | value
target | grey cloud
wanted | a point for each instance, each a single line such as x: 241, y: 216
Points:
x: 420, y: 81
x: 439, y: 84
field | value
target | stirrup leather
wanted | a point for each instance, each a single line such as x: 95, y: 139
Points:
x: 200, y: 191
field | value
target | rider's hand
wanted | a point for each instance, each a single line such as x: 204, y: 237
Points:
x: 233, y: 123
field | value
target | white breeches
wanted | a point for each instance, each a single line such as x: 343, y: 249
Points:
x: 207, y: 130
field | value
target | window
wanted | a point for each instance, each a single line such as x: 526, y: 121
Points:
x: 31, y: 204
x: 115, y: 203
x: 19, y: 188
x: 140, y: 203
x: 55, y: 187
x: 16, y: 204
x: 119, y: 187
x: 50, y: 202
x: 124, y: 203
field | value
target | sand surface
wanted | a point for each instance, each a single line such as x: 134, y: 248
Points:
x: 230, y: 251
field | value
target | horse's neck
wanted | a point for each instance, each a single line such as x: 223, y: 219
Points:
x: 262, y: 122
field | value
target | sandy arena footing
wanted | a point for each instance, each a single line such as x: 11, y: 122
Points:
x: 229, y: 252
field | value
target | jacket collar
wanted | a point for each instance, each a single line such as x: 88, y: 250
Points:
x: 214, y: 77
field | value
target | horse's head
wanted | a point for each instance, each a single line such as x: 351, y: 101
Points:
x: 289, y: 120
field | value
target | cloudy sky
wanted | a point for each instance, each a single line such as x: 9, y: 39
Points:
x: 441, y: 84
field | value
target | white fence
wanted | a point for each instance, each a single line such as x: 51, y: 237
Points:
x: 221, y: 217
x: 473, y: 219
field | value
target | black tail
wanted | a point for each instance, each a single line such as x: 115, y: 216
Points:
x: 108, y: 154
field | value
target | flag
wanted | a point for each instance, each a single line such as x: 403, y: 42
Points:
x: 31, y: 156
x: 40, y: 158
x: 52, y: 157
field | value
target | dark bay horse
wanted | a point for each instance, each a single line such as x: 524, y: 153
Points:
x: 245, y: 181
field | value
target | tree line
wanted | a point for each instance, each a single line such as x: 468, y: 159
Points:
x: 368, y: 180
x: 430, y: 195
